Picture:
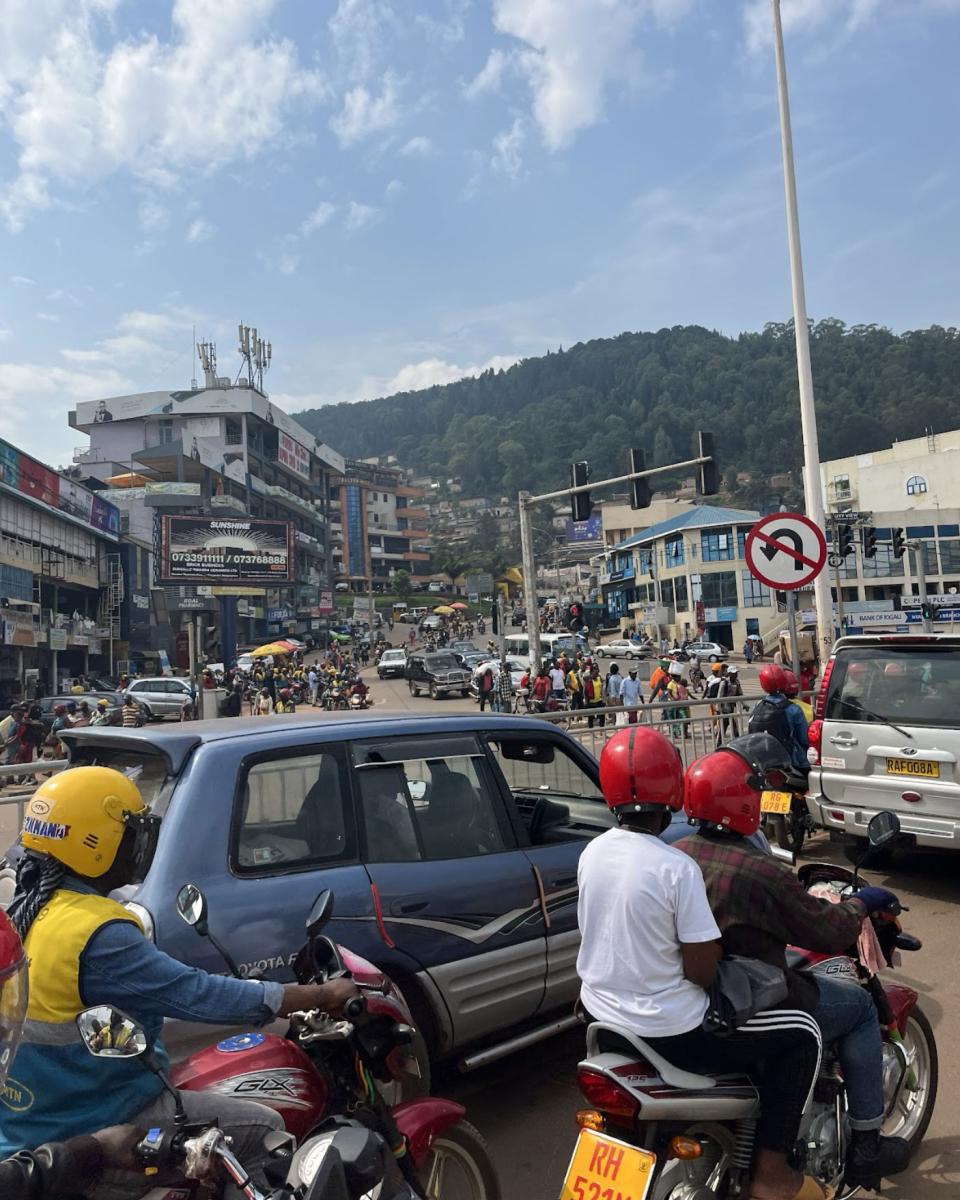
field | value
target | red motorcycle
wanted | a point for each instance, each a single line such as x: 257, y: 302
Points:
x: 326, y: 1066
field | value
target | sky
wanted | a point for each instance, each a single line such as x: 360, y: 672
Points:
x: 397, y: 193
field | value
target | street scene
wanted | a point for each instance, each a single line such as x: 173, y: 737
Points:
x: 479, y: 637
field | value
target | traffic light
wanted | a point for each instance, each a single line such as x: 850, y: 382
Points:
x: 708, y: 473
x: 928, y: 612
x: 575, y: 617
x: 580, y: 505
x: 898, y: 543
x: 844, y: 540
x: 868, y: 541
x: 639, y: 488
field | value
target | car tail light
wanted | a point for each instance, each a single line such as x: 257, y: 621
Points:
x: 821, y: 701
x: 814, y: 736
x: 911, y: 797
x: 606, y: 1095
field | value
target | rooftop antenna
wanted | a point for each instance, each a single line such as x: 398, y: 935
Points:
x: 256, y: 355
x: 208, y: 360
x: 193, y: 361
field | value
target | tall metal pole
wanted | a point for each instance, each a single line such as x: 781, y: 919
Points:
x: 501, y: 631
x: 529, y: 579
x: 920, y: 558
x: 813, y: 493
x: 792, y: 630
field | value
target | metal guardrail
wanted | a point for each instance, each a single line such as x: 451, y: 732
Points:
x: 18, y: 791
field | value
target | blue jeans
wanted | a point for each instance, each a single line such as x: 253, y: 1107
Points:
x: 848, y: 1018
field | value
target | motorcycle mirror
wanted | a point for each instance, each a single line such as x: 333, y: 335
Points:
x: 882, y: 829
x: 109, y: 1033
x: 192, y: 907
x: 320, y: 913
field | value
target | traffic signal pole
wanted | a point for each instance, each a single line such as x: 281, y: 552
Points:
x: 527, y: 504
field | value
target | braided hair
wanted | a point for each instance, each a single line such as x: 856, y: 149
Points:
x: 38, y: 877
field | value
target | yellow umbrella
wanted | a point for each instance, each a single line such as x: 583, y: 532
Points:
x: 270, y: 648
x: 443, y: 610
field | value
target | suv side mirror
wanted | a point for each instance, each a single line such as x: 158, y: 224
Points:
x: 320, y: 913
x: 882, y: 829
x: 192, y: 907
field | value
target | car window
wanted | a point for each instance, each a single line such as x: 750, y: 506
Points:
x: 293, y: 811
x: 429, y: 809
x: 907, y: 686
x: 441, y: 662
x: 556, y: 796
x: 148, y: 771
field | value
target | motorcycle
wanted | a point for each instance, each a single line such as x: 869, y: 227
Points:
x: 785, y: 817
x: 341, y: 1160
x: 359, y: 701
x: 325, y: 1066
x: 658, y: 1133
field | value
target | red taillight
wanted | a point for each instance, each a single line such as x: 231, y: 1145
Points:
x: 611, y: 1099
x: 821, y: 702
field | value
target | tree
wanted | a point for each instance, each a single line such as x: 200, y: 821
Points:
x: 402, y: 584
x: 451, y: 562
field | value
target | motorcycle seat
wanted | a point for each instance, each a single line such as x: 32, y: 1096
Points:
x: 674, y: 1076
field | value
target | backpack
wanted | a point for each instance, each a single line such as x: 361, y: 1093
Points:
x: 770, y: 716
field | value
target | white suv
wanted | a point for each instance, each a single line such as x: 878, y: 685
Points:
x: 164, y: 696
x: 887, y: 737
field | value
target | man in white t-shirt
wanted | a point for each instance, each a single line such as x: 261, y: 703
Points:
x: 558, y: 682
x: 650, y: 948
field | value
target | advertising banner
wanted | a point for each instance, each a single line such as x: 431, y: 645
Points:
x: 590, y: 530
x: 104, y: 516
x: 226, y: 550
x: 293, y: 456
x: 39, y: 481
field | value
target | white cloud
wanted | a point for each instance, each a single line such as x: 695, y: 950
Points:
x: 449, y: 29
x: 287, y: 263
x: 394, y: 188
x: 45, y: 316
x: 430, y: 372
x: 366, y: 113
x: 357, y: 28
x: 22, y: 281
x: 158, y: 324
x: 490, y: 76
x: 507, y: 146
x: 200, y: 230
x: 840, y: 19
x: 360, y: 216
x: 320, y: 216
x: 152, y: 215
x: 219, y: 91
x: 5, y: 334
x: 417, y: 147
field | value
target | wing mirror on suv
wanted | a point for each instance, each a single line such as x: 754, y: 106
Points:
x: 192, y: 908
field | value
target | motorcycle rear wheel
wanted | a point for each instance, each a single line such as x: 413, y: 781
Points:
x: 914, y: 1109
x: 459, y: 1166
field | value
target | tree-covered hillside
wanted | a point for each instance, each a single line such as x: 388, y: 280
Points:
x: 521, y: 428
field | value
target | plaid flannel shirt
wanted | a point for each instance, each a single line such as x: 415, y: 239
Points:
x: 761, y: 906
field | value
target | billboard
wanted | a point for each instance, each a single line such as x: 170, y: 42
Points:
x: 590, y: 530
x: 226, y: 550
x: 293, y: 456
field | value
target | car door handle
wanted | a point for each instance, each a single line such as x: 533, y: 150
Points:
x: 562, y: 881
x: 844, y: 740
x: 411, y: 904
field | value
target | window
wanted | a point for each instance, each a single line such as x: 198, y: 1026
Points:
x: 882, y: 564
x: 949, y: 558
x: 719, y: 589
x: 428, y: 809
x: 294, y: 812
x: 910, y: 687
x: 948, y: 531
x: 841, y: 487
x: 673, y: 551
x: 555, y: 796
x: 755, y: 593
x: 919, y: 531
x: 716, y: 546
x: 666, y: 592
x: 680, y: 596
x: 916, y: 485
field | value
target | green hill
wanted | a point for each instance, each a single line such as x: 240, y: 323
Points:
x: 523, y: 427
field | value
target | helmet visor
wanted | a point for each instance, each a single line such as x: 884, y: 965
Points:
x: 146, y: 831
x: 13, y: 1011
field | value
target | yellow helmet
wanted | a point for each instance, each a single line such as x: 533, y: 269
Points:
x: 79, y: 817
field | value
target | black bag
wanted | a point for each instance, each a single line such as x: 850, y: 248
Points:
x: 770, y: 716
x: 741, y: 988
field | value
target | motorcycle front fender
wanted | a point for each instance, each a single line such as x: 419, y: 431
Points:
x: 902, y: 1001
x: 420, y: 1121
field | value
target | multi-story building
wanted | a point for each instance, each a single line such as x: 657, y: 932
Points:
x: 221, y: 449
x: 58, y: 577
x: 687, y: 576
x: 378, y: 525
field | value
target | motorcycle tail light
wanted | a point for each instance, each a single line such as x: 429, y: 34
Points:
x: 589, y: 1118
x: 685, y: 1147
x: 607, y: 1095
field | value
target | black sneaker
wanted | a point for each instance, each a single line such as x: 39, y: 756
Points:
x: 872, y: 1158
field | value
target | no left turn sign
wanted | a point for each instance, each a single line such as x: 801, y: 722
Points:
x: 785, y: 550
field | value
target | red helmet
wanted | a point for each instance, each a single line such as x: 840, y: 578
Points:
x: 723, y: 789
x: 13, y: 993
x: 790, y: 685
x: 894, y: 670
x: 772, y: 678
x: 641, y: 770
x: 858, y: 670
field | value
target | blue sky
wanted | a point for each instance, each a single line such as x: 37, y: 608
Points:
x: 399, y: 192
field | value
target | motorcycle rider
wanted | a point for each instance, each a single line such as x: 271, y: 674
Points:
x: 650, y: 950
x: 761, y: 907
x: 777, y: 715
x: 792, y: 692
x: 86, y: 832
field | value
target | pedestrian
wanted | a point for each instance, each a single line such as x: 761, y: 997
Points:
x: 313, y: 680
x: 613, y: 686
x: 541, y: 689
x: 504, y: 692
x: 748, y: 650
x: 593, y: 697
x: 234, y: 701
x: 759, y: 648
x: 727, y: 706
x: 659, y: 680
x: 575, y: 685
x: 678, y: 714
x: 8, y: 733
x: 263, y: 706
x: 100, y: 716
x: 485, y: 687
x: 130, y: 713
x: 630, y: 696
x: 558, y: 682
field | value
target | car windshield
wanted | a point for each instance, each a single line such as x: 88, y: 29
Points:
x: 149, y: 771
x: 441, y: 662
x: 906, y: 685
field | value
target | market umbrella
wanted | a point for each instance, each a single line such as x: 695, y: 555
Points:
x: 340, y: 637
x: 268, y: 649
x: 290, y: 643
x: 459, y: 604
x: 443, y: 610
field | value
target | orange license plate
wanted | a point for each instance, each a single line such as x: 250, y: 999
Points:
x: 603, y: 1168
x: 775, y: 802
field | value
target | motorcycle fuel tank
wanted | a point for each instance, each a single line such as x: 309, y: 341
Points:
x: 261, y: 1067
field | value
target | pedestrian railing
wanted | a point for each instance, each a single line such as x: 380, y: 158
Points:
x: 18, y: 782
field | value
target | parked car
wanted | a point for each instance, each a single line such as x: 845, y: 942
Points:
x: 432, y: 621
x: 887, y: 737
x: 392, y: 664
x: 446, y: 842
x: 48, y: 703
x: 436, y: 672
x: 619, y: 648
x: 462, y: 646
x: 163, y: 696
x: 711, y: 651
x: 434, y: 587
x: 515, y: 665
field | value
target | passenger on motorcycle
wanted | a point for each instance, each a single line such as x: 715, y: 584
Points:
x: 777, y: 715
x: 86, y: 832
x: 761, y: 907
x: 792, y: 692
x: 650, y: 950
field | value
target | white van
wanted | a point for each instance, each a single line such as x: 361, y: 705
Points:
x: 550, y: 644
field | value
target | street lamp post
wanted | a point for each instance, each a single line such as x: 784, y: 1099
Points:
x: 813, y: 494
